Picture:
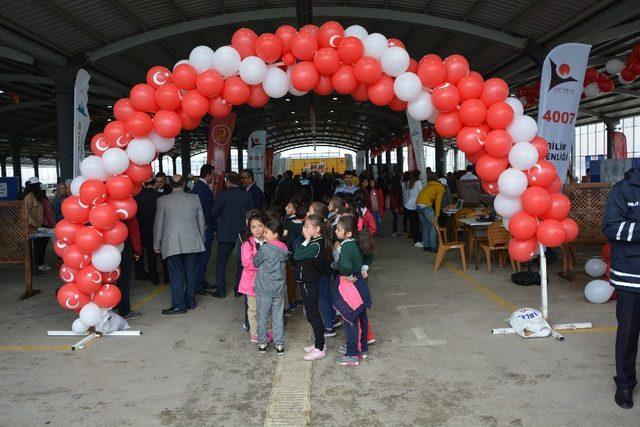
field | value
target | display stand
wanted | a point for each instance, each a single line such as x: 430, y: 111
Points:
x: 90, y: 336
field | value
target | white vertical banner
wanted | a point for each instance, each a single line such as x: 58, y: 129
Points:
x: 348, y: 161
x: 256, y: 147
x: 276, y: 165
x: 415, y: 130
x: 361, y: 160
x: 560, y: 91
x: 80, y: 118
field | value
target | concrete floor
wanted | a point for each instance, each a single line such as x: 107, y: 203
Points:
x: 435, y: 362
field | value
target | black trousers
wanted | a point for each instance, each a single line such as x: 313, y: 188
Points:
x: 124, y: 281
x: 394, y: 215
x: 628, y: 316
x: 39, y: 250
x: 310, y: 301
x: 414, y: 225
x: 225, y: 249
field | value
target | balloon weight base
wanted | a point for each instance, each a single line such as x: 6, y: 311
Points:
x: 554, y: 329
x: 88, y: 337
x: 526, y: 278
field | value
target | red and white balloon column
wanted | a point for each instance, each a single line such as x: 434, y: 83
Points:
x: 489, y: 128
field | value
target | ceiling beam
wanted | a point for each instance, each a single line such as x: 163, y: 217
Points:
x: 24, y: 105
x: 14, y: 55
x: 628, y: 92
x: 34, y: 50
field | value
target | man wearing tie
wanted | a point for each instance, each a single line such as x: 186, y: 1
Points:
x: 248, y: 182
x: 203, y: 190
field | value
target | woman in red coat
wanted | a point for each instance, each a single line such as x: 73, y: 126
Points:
x: 377, y: 204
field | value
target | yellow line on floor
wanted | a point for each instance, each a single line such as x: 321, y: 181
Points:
x: 594, y: 330
x: 480, y: 287
x: 151, y: 295
x: 35, y: 348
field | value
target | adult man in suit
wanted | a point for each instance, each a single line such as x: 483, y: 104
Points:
x: 229, y: 210
x: 249, y: 184
x: 146, y: 215
x: 161, y: 184
x: 178, y: 234
x: 204, y: 193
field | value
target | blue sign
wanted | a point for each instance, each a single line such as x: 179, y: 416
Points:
x: 9, y: 188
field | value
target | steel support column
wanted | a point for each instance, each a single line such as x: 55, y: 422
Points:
x: 441, y: 164
x: 610, y: 128
x: 185, y: 153
x: 240, y: 159
x: 160, y: 158
x: 399, y: 160
x: 15, y: 160
x: 3, y: 166
x: 36, y: 165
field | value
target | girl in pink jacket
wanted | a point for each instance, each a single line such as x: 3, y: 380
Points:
x: 248, y: 251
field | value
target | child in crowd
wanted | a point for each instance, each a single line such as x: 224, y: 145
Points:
x: 318, y: 208
x: 293, y: 232
x: 248, y: 250
x: 310, y: 260
x: 367, y: 219
x: 377, y: 204
x: 270, y: 285
x: 337, y: 207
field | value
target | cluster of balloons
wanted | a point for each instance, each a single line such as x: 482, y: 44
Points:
x: 599, y: 291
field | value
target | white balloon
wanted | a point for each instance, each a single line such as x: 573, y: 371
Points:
x: 516, y: 105
x: 75, y: 185
x: 395, y: 61
x: 106, y: 258
x: 522, y: 129
x: 115, y: 161
x: 356, y: 31
x: 375, y: 44
x: 293, y: 90
x: 512, y: 183
x: 78, y: 327
x: 422, y: 107
x: 253, y: 70
x: 201, y: 58
x: 614, y: 66
x: 598, y: 291
x: 505, y: 222
x: 91, y: 168
x: 595, y: 267
x: 407, y: 86
x: 523, y: 156
x: 141, y: 151
x: 507, y: 206
x: 276, y: 84
x: 226, y: 61
x: 161, y: 143
x: 432, y: 118
x: 90, y: 314
x: 182, y: 61
x: 120, y: 247
x: 592, y: 90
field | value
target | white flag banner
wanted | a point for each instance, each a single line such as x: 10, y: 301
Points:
x: 415, y: 130
x: 361, y: 159
x: 256, y: 146
x: 349, y: 161
x: 80, y: 118
x: 276, y: 166
x: 560, y: 91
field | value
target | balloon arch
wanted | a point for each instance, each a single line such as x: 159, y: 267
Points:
x: 489, y: 127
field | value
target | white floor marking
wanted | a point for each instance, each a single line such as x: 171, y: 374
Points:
x: 423, y: 339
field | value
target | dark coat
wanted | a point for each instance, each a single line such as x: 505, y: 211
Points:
x: 147, y: 200
x: 257, y: 194
x: 288, y: 189
x: 206, y: 197
x: 228, y: 213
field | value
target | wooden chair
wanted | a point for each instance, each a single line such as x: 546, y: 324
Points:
x: 497, y: 241
x: 457, y: 227
x: 444, y: 246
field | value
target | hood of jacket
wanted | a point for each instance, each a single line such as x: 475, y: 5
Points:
x: 281, y: 249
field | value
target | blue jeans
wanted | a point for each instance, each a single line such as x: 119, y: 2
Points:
x: 327, y: 311
x: 376, y: 216
x: 429, y: 238
x: 183, y: 276
x: 203, y: 260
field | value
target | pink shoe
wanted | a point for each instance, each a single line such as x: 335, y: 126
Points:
x: 309, y: 349
x: 254, y: 338
x: 269, y: 337
x: 316, y: 354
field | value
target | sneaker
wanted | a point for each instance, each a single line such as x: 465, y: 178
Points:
x: 347, y: 361
x: 371, y: 341
x: 418, y: 245
x: 280, y: 349
x: 316, y: 354
x: 363, y: 355
x: 262, y: 348
x: 45, y: 267
x: 42, y: 269
x: 245, y: 327
x: 337, y: 323
x: 132, y: 315
x: 343, y: 349
x: 330, y: 332
x: 309, y: 349
x: 396, y: 234
x: 253, y: 338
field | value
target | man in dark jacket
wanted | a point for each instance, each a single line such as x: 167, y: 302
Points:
x: 229, y: 210
x: 249, y: 184
x: 203, y: 190
x: 161, y: 184
x: 621, y: 225
x: 288, y: 188
x: 147, y: 200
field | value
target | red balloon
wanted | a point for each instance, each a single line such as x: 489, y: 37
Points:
x: 470, y: 139
x: 470, y: 86
x: 243, y: 40
x: 490, y: 188
x: 103, y: 216
x: 431, y: 57
x: 119, y: 186
x: 219, y: 107
x: 88, y: 239
x: 209, y: 83
x: 327, y: 61
x: 304, y: 46
x: 381, y: 92
x: 431, y: 72
x: 457, y: 67
x: 360, y: 94
x: 329, y: 33
x: 310, y: 29
x: 498, y: 143
x: 350, y: 50
x: 116, y: 234
x: 139, y: 173
x: 288, y: 59
x: 123, y: 109
x: 559, y: 208
x: 396, y: 42
x: 591, y: 75
x: 167, y: 124
x: 489, y: 168
x: 89, y: 279
x: 555, y: 186
x: 74, y: 210
x: 494, y: 90
x: 65, y: 230
x: 448, y: 124
x: 397, y: 104
x: 143, y: 98
x: 473, y: 112
x: 93, y: 192
x: 71, y: 298
x: 99, y: 144
x: 285, y: 33
x: 258, y: 98
x: 304, y: 76
x: 112, y: 276
x: 605, y: 251
x: 114, y: 131
x: 523, y: 226
x: 184, y: 76
x: 542, y: 174
x: 139, y: 124
x: 157, y: 76
x: 536, y: 201
x: 551, y: 233
x: 628, y: 74
x: 107, y: 296
x: 606, y: 85
x: 499, y: 115
x: 324, y: 86
x: 522, y: 250
x: 236, y: 91
x: 473, y: 158
x: 413, y: 66
x: 125, y: 208
x: 60, y: 248
x: 196, y: 105
x: 541, y: 145
x: 75, y: 258
x: 344, y: 80
x: 269, y: 47
x: 137, y: 188
x: 368, y: 70
x: 68, y: 274
x: 445, y: 97
x: 571, y: 229
x: 168, y: 96
x: 188, y: 122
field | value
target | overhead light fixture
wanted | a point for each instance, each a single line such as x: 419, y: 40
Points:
x: 329, y: 121
x: 293, y: 112
x: 331, y: 111
x: 1, y: 91
x: 295, y: 121
x: 109, y: 106
x: 335, y: 98
x: 287, y: 99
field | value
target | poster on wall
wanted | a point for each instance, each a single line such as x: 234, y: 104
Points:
x: 80, y: 118
x: 619, y: 145
x: 417, y: 142
x: 219, y: 146
x: 256, y: 149
x: 349, y: 159
x: 320, y: 165
x: 560, y: 92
